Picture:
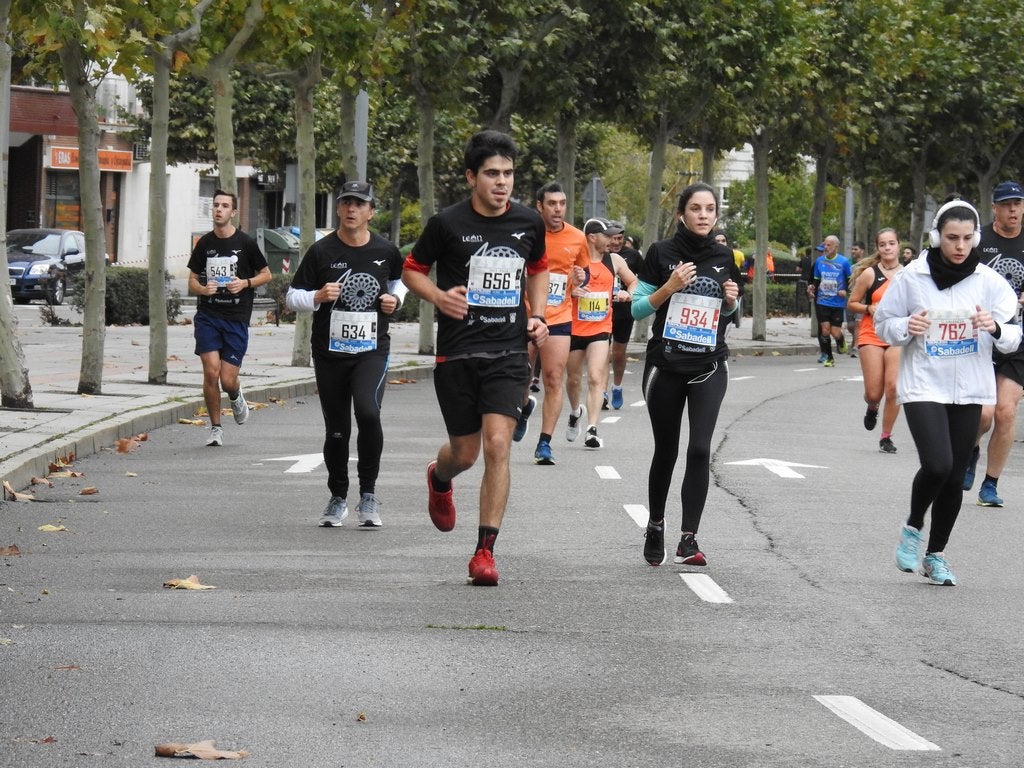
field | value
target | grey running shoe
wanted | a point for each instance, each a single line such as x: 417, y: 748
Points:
x: 239, y: 408
x: 335, y: 513
x: 216, y: 435
x: 368, y: 511
x: 575, y: 421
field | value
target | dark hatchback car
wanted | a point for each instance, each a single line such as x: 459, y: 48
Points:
x: 40, y: 262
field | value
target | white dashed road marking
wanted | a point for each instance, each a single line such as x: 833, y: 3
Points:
x: 638, y: 512
x: 740, y: 378
x: 874, y: 724
x: 607, y: 473
x: 705, y: 588
x: 610, y: 419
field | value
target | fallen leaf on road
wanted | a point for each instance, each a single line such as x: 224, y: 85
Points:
x: 50, y: 528
x: 62, y: 462
x: 91, y: 490
x: 174, y: 358
x: 6, y: 641
x: 126, y: 444
x: 401, y: 381
x: 13, y: 495
x: 68, y: 667
x: 275, y: 399
x: 131, y: 474
x: 11, y: 551
x: 40, y: 481
x: 361, y: 717
x: 45, y: 740
x: 193, y: 422
x: 203, y: 750
x: 192, y: 582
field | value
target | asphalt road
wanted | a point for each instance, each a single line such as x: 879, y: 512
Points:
x: 803, y: 645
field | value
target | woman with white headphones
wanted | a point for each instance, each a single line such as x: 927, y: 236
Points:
x: 948, y: 311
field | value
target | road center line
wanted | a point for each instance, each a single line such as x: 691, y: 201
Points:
x: 874, y: 724
x: 607, y: 473
x: 638, y: 512
x: 705, y: 588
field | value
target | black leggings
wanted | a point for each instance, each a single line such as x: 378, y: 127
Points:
x: 343, y: 381
x: 666, y: 394
x: 944, y: 436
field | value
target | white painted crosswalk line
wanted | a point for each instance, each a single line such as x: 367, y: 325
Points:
x: 638, y: 512
x: 874, y: 724
x: 704, y: 587
x: 607, y: 473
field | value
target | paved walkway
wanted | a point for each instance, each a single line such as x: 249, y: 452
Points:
x: 65, y: 424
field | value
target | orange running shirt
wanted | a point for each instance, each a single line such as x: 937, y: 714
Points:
x: 592, y: 314
x: 564, y: 248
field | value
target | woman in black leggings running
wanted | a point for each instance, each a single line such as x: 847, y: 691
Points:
x: 690, y: 284
x: 947, y: 311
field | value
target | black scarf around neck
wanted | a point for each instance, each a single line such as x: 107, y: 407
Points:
x: 947, y: 275
x: 696, y: 247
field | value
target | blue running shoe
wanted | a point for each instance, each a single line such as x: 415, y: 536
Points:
x: 523, y: 423
x: 909, y: 548
x: 971, y: 469
x: 616, y: 398
x: 935, y: 568
x: 987, y: 496
x: 543, y: 454
x: 822, y: 357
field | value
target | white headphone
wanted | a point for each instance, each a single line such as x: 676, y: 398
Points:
x: 936, y: 239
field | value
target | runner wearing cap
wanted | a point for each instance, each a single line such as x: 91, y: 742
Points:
x: 1002, y: 248
x: 351, y: 281
x: 592, y: 295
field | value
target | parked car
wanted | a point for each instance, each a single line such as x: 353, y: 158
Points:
x: 40, y: 262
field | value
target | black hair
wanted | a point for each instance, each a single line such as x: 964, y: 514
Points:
x: 962, y: 212
x: 221, y: 193
x: 693, y: 189
x: 486, y: 144
x: 552, y: 187
x: 860, y: 243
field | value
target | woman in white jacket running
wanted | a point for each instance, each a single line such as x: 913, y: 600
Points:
x: 948, y: 311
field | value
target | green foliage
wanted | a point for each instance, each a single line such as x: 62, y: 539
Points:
x: 127, y: 296
x: 791, y: 197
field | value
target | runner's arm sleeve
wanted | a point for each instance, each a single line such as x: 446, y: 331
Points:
x: 299, y: 300
x: 398, y: 289
x: 641, y: 306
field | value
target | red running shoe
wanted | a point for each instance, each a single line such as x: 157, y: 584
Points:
x: 440, y: 505
x: 482, y: 570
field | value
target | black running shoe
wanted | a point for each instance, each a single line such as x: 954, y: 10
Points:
x: 870, y: 418
x: 688, y: 552
x: 885, y: 445
x: 654, y: 544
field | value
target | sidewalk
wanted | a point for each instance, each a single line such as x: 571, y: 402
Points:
x: 65, y: 424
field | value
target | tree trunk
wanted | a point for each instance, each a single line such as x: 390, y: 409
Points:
x: 425, y: 177
x: 659, y: 144
x: 566, y: 174
x: 761, y: 144
x: 223, y: 88
x: 15, y: 389
x: 511, y: 82
x: 347, y: 132
x: 920, y: 186
x: 818, y: 203
x: 158, y: 218
x: 83, y: 100
x: 305, y: 153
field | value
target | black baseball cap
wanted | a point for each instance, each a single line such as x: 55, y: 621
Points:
x: 360, y: 190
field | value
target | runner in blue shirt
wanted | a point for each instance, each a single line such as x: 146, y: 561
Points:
x: 829, y: 284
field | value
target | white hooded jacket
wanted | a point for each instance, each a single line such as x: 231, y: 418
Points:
x: 958, y: 379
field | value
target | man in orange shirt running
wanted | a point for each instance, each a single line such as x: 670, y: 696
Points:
x: 566, y: 246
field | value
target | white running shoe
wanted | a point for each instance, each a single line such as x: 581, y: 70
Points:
x: 216, y: 435
x: 368, y: 511
x: 239, y: 408
x: 576, y: 421
x: 335, y: 513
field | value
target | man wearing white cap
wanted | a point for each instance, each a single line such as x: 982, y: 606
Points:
x: 1002, y: 248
